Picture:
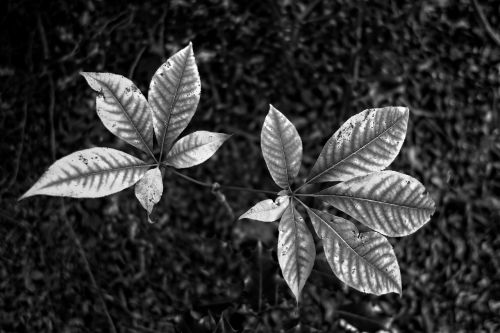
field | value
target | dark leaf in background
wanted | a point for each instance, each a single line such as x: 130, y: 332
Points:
x: 223, y: 326
x: 364, y: 318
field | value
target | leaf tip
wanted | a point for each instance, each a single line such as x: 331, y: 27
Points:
x: 29, y: 193
x: 296, y: 292
x: 189, y: 49
x: 405, y: 111
x: 24, y: 196
x: 86, y: 75
x: 226, y: 136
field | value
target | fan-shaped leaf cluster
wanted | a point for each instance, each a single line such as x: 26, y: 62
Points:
x: 389, y: 202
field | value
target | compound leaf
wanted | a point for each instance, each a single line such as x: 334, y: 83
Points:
x: 149, y: 189
x: 364, y: 261
x: 282, y: 147
x: 195, y: 148
x: 267, y: 210
x: 367, y: 142
x: 389, y: 202
x: 123, y: 109
x: 89, y: 173
x: 296, y: 250
x: 174, y: 94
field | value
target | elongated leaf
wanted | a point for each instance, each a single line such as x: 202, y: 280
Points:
x: 365, y: 261
x: 123, y: 109
x: 282, y: 147
x: 389, y: 202
x: 174, y: 94
x: 267, y: 210
x: 89, y: 173
x: 367, y: 142
x: 195, y: 148
x: 296, y: 250
x: 149, y: 189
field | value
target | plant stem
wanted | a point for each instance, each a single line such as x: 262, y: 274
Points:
x: 303, y: 204
x: 191, y: 179
x: 218, y: 186
x: 298, y: 188
x: 246, y: 189
x: 304, y: 194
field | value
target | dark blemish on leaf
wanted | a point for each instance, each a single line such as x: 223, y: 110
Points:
x: 366, y: 115
x: 83, y: 159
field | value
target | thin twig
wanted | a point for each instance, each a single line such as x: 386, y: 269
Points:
x: 10, y: 219
x: 136, y: 61
x: 259, y: 248
x: 74, y: 236
x: 86, y: 263
x: 493, y: 35
x: 162, y: 32
x: 222, y: 187
x: 20, y: 149
x: 359, y: 35
x: 46, y: 57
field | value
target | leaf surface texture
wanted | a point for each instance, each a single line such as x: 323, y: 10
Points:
x: 195, y: 148
x: 267, y: 210
x: 123, y: 109
x: 368, y: 141
x: 282, y: 148
x: 389, y: 202
x: 149, y: 190
x: 364, y: 261
x: 174, y: 93
x: 296, y: 250
x: 90, y: 173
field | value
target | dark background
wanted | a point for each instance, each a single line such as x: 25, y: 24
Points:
x: 319, y: 62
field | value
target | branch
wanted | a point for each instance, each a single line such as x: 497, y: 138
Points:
x: 74, y: 236
x: 493, y: 35
x: 136, y: 61
x: 20, y: 149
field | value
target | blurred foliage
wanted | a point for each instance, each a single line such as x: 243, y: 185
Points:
x: 197, y: 269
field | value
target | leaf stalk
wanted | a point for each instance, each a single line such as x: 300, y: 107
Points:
x: 219, y: 187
